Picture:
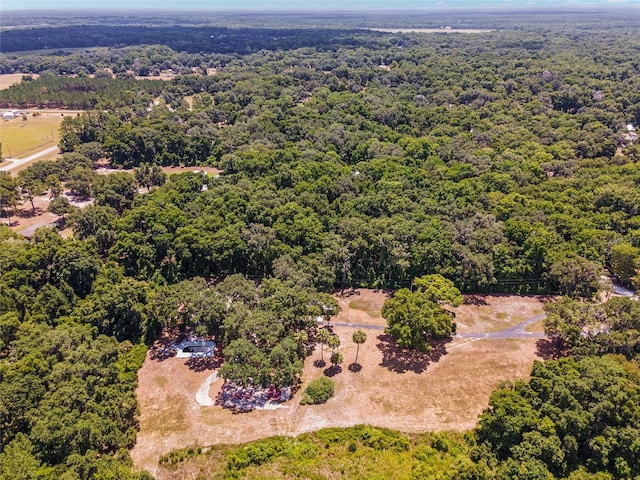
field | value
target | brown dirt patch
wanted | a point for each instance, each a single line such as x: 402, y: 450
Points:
x: 361, y: 306
x: 491, y: 313
x: 445, y: 392
x: 26, y: 221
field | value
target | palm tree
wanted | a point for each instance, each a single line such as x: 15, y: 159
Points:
x: 359, y: 337
x: 323, y: 336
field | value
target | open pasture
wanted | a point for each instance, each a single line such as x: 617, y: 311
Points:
x: 21, y: 138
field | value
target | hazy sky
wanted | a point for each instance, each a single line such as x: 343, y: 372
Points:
x: 292, y: 4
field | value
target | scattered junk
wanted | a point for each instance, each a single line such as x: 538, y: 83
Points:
x: 246, y: 399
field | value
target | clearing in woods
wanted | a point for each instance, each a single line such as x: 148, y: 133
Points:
x: 391, y: 389
x: 8, y: 79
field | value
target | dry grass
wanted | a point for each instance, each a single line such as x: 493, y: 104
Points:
x: 365, y: 306
x: 392, y: 388
x: 8, y: 79
x: 21, y: 138
x: 492, y: 313
x: 537, y: 327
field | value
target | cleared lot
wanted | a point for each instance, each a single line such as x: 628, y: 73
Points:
x: 392, y: 389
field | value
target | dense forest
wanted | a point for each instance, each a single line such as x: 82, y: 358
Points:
x: 496, y: 162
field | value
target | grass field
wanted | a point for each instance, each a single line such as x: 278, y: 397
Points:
x: 9, y: 79
x: 21, y: 138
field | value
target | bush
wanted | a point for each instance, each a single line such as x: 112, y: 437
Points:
x: 318, y: 391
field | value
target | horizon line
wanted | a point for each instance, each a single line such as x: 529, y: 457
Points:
x: 504, y: 8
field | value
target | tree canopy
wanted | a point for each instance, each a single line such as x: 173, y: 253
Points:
x: 415, y: 319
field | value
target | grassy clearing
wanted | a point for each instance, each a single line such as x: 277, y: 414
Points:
x: 9, y: 79
x: 170, y: 417
x: 21, y: 138
x: 392, y: 389
x: 365, y: 306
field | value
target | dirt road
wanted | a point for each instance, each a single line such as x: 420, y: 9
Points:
x: 17, y: 162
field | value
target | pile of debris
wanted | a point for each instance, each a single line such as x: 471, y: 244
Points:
x: 246, y: 399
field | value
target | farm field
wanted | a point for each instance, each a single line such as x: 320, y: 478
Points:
x: 21, y: 138
x: 392, y: 389
x: 8, y: 79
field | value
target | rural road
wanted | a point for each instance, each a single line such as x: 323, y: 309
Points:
x: 515, y: 331
x: 16, y: 162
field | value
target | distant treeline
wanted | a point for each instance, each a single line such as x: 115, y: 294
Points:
x: 186, y: 39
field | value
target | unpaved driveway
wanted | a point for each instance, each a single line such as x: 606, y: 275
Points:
x: 18, y: 162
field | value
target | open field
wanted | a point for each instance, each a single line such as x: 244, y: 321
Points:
x: 21, y: 138
x: 392, y: 389
x: 8, y: 79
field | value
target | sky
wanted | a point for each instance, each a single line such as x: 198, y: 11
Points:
x: 294, y: 4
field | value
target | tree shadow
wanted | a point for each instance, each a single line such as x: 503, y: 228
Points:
x: 29, y: 212
x: 319, y: 363
x: 162, y: 349
x: 348, y: 292
x: 544, y: 299
x: 550, y: 349
x: 355, y: 367
x: 200, y: 364
x: 401, y: 360
x: 333, y: 370
x: 471, y: 299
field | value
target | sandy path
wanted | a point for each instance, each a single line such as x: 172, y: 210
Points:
x: 202, y: 395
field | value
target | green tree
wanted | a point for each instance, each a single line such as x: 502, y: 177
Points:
x: 18, y: 462
x: 318, y: 391
x: 625, y: 263
x: 416, y: 318
x: 80, y: 181
x: 30, y: 186
x: 116, y: 191
x: 358, y: 337
x: 9, y: 194
x: 60, y: 206
x: 576, y: 276
x: 336, y: 359
x: 323, y: 336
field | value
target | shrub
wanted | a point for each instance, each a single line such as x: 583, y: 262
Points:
x: 256, y: 454
x: 318, y: 391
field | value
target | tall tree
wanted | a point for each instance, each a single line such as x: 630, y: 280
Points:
x: 9, y: 194
x: 323, y: 336
x: 358, y: 337
x: 416, y: 318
